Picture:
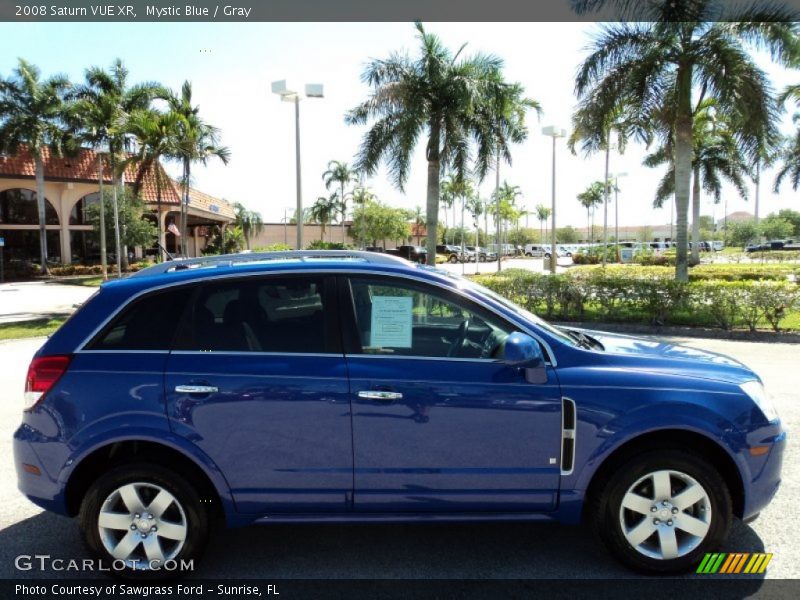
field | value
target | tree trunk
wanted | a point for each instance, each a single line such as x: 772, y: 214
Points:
x: 344, y: 213
x: 40, y: 202
x: 103, y: 259
x: 696, y: 217
x: 432, y: 215
x: 683, y: 168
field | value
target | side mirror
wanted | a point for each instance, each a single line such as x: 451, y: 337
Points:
x: 522, y: 351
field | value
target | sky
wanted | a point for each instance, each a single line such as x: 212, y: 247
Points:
x: 231, y: 66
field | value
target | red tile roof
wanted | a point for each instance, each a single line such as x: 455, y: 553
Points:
x: 83, y: 168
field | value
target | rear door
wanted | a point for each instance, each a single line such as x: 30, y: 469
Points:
x: 258, y: 381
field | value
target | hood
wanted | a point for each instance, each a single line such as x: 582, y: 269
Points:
x: 675, y: 359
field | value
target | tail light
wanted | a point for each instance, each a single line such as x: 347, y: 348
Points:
x: 43, y: 373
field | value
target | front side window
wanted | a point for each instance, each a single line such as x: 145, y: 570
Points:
x: 147, y: 323
x: 275, y: 314
x: 408, y: 319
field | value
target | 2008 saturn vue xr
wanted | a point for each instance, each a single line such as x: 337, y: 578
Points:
x: 357, y: 387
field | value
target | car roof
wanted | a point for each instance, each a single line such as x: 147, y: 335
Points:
x: 232, y: 265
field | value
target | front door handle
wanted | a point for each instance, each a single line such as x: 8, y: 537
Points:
x: 380, y: 395
x: 196, y: 389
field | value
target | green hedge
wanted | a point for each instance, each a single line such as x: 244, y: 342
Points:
x: 704, y: 272
x: 592, y: 294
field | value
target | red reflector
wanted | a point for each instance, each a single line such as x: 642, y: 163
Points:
x: 44, y: 372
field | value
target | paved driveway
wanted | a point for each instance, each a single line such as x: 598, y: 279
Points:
x: 518, y: 550
x: 38, y: 299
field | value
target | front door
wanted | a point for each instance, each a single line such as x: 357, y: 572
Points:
x: 258, y: 381
x: 439, y: 424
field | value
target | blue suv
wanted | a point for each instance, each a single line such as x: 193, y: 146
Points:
x: 358, y: 387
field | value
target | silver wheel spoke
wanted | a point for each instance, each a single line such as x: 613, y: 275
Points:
x: 152, y: 547
x: 668, y: 542
x: 126, y: 545
x: 172, y: 531
x: 160, y: 503
x: 661, y: 486
x: 111, y: 520
x: 689, y: 497
x: 640, y: 533
x: 690, y: 524
x: 637, y: 503
x: 130, y: 496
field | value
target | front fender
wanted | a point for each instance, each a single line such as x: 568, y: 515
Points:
x: 595, y: 444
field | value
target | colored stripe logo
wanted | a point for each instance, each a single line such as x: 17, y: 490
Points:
x: 734, y: 563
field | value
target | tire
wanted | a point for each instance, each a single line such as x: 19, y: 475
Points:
x: 182, y: 512
x: 684, y: 470
x: 530, y: 254
x: 453, y: 259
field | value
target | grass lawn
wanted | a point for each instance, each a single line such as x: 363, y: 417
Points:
x: 26, y: 329
x: 89, y: 281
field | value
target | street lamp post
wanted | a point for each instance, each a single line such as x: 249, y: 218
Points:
x: 616, y: 211
x: 313, y: 90
x: 555, y: 133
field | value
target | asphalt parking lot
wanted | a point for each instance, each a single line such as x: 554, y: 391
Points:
x: 457, y: 551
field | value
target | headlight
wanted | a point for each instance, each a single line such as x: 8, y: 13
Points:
x: 755, y: 390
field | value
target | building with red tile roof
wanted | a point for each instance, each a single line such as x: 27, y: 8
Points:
x: 72, y: 183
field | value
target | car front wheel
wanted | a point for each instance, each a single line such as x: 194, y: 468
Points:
x: 144, y: 521
x: 662, y: 511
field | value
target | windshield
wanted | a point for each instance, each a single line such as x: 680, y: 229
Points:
x: 465, y: 283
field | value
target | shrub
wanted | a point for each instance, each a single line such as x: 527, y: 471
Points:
x: 651, y: 295
x: 320, y: 245
x: 273, y: 248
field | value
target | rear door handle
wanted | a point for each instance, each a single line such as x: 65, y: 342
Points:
x: 380, y: 395
x: 196, y: 389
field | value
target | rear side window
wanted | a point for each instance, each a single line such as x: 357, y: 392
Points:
x: 148, y: 323
x: 270, y: 314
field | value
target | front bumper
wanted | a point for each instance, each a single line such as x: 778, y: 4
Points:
x: 764, y: 476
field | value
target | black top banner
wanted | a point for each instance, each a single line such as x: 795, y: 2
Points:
x: 21, y: 11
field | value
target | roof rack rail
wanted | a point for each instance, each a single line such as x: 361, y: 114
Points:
x: 227, y: 260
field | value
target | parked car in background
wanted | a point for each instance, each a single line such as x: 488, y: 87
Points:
x: 452, y: 252
x: 717, y: 245
x: 505, y: 249
x: 417, y: 254
x: 357, y: 387
x: 540, y: 250
x: 483, y: 254
x: 565, y: 250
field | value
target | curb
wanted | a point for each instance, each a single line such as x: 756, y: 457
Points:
x: 768, y: 337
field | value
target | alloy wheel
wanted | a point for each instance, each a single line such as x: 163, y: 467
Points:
x: 665, y: 514
x: 141, y: 523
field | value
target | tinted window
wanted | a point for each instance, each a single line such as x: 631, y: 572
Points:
x: 273, y: 314
x: 148, y: 323
x: 415, y: 320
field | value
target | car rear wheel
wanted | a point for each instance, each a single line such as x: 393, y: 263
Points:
x: 453, y: 259
x: 143, y: 521
x: 662, y: 511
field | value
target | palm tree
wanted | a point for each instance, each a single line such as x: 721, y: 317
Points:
x: 476, y: 209
x: 102, y: 104
x: 715, y: 153
x: 598, y: 132
x: 418, y: 218
x: 675, y: 49
x: 788, y: 151
x: 340, y: 173
x: 542, y: 214
x: 249, y: 221
x: 197, y: 142
x: 591, y: 197
x: 361, y: 196
x: 157, y: 134
x: 323, y: 211
x: 32, y: 114
x: 451, y: 100
x: 507, y: 198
